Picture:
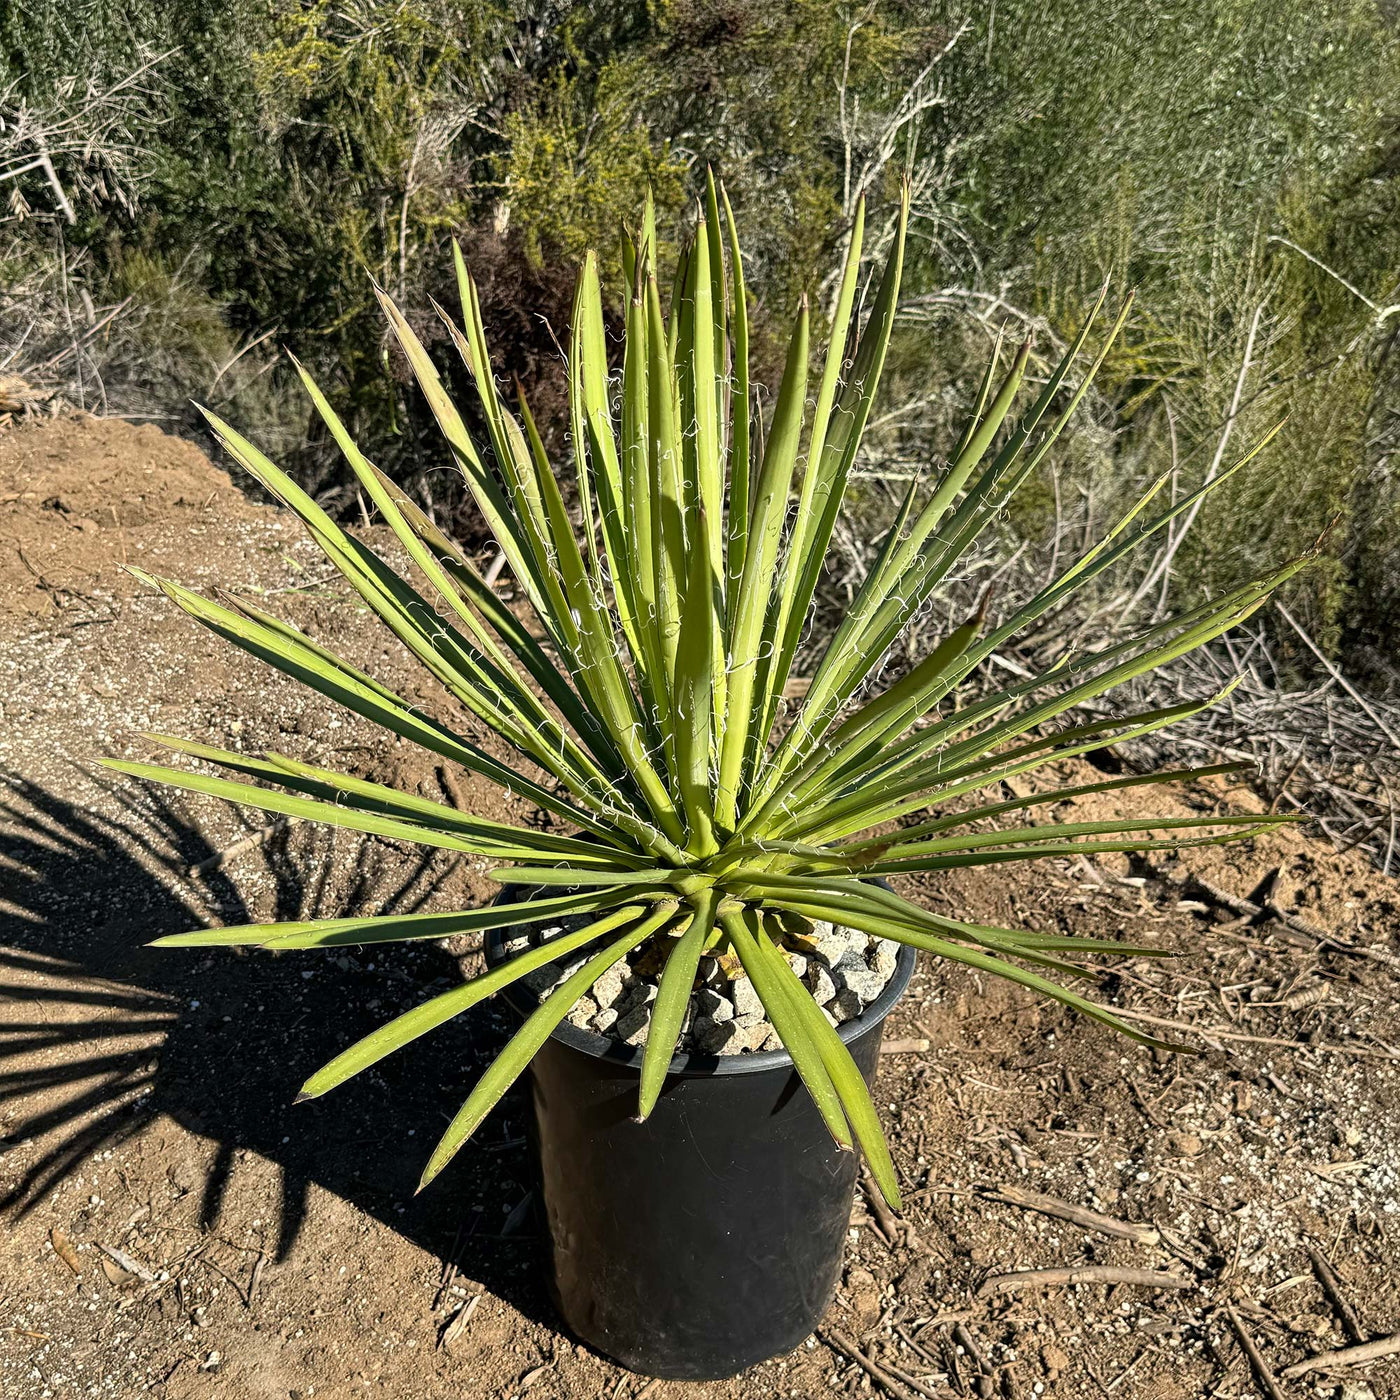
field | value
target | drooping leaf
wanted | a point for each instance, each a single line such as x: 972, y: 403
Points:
x: 507, y: 1066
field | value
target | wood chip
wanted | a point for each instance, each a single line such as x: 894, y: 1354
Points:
x: 457, y: 1325
x: 127, y: 1264
x: 913, y: 1045
x: 117, y: 1276
x: 1345, y: 1356
x: 451, y: 787
x: 63, y: 1247
x: 1077, y: 1215
x: 1089, y: 1273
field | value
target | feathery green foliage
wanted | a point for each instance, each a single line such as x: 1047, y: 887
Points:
x: 651, y: 718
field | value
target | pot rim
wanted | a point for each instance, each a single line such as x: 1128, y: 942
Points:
x: 600, y: 1047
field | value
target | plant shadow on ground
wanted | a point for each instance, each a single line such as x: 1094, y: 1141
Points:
x: 100, y: 1035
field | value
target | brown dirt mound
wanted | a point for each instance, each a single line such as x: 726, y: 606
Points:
x: 77, y: 496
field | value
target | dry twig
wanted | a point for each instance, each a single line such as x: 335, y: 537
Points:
x: 1088, y: 1273
x: 1345, y: 1356
x: 254, y: 838
x: 1332, y: 1286
x: 1077, y: 1215
x: 1267, y: 1382
x: 838, y: 1341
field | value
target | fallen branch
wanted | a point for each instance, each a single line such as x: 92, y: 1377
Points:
x: 1088, y: 1273
x: 1345, y: 1356
x: 1077, y: 1215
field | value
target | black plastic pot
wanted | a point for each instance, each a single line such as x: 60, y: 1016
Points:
x: 708, y: 1238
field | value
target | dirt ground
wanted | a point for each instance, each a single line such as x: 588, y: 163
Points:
x: 175, y: 1227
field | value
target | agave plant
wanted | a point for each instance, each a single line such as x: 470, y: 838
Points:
x: 691, y: 805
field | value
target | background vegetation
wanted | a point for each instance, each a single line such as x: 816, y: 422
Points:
x: 235, y: 169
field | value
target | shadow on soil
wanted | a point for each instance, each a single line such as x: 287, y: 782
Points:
x: 99, y: 1034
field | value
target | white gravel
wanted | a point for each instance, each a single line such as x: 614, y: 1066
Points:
x: 845, y: 970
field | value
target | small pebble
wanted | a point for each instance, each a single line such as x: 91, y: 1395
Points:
x: 607, y: 990
x: 631, y: 1026
x: 708, y: 1002
x: 747, y: 1005
x: 847, y: 1005
x: 715, y: 1037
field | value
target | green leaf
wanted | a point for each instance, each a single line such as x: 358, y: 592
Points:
x: 755, y: 589
x: 491, y: 500
x: 907, y: 771
x: 284, y: 648
x: 505, y: 843
x: 1062, y: 832
x: 602, y: 674
x: 699, y: 647
x: 395, y: 1034
x: 640, y: 539
x: 784, y: 1011
x: 1052, y: 796
x: 883, y: 927
x: 832, y: 450
x: 507, y: 626
x: 396, y: 928
x: 574, y: 876
x: 672, y: 999
x: 666, y: 488
x: 846, y: 1079
x: 739, y: 449
x: 506, y: 1068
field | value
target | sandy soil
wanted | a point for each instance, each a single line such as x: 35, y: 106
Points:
x: 174, y: 1227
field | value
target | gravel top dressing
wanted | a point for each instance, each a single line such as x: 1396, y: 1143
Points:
x: 846, y: 970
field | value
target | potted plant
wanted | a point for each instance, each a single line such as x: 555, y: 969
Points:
x: 704, y: 836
